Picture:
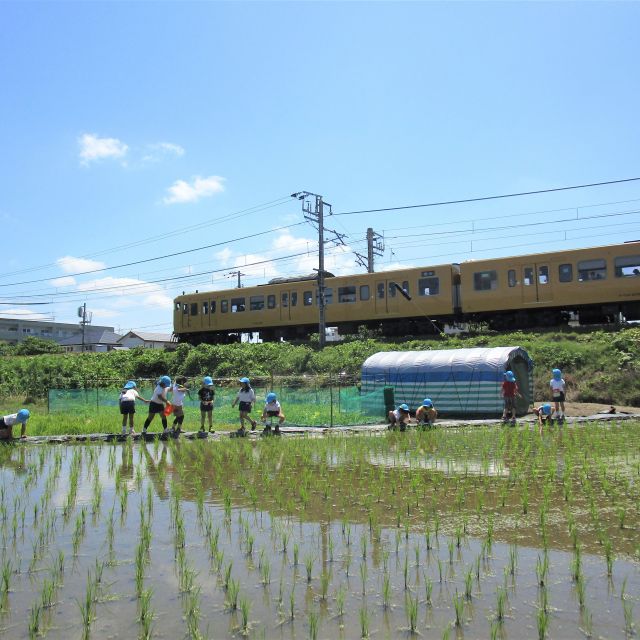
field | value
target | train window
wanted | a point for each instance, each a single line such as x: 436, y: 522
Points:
x: 346, y: 294
x: 527, y: 276
x: 205, y: 308
x: 485, y: 280
x: 237, y: 305
x: 294, y: 298
x: 194, y: 308
x: 285, y: 300
x: 256, y: 303
x: 380, y: 290
x: 213, y: 306
x: 271, y: 302
x: 364, y: 292
x: 627, y: 266
x: 392, y: 289
x: 592, y: 270
x: 543, y: 274
x: 224, y: 306
x: 307, y: 298
x: 565, y: 273
x: 511, y: 278
x: 177, y: 306
x: 185, y: 308
x: 405, y: 287
x: 429, y: 286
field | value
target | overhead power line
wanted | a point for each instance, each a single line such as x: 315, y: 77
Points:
x: 168, y: 255
x: 484, y: 198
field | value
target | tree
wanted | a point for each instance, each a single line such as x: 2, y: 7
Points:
x: 36, y: 346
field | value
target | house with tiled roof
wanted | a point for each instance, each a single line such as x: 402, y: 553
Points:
x: 95, y: 339
x: 147, y: 339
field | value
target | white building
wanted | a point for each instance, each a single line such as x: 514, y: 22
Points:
x: 13, y: 330
x: 147, y: 339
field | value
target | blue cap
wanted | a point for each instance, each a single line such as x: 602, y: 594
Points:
x: 271, y: 397
x: 244, y: 380
x: 165, y: 381
x: 509, y: 377
x: 207, y: 381
x: 23, y: 415
x: 557, y: 374
x: 427, y: 402
x: 546, y: 409
x: 404, y: 407
x: 130, y: 384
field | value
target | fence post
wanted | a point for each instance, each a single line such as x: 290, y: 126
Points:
x: 48, y: 401
x: 331, y: 400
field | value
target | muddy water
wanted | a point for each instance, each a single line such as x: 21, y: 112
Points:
x: 331, y: 538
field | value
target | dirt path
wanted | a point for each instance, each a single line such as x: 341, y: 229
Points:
x: 575, y: 409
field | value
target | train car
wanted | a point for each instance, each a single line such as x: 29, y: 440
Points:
x: 406, y: 301
x: 596, y: 285
x: 599, y: 284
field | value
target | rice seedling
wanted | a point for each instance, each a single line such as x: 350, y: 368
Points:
x: 296, y: 553
x: 363, y: 576
x: 35, y: 621
x: 468, y: 584
x: 458, y: 607
x: 501, y: 602
x: 580, y: 591
x: 411, y: 608
x: 265, y: 572
x: 233, y: 589
x: 364, y: 621
x: 325, y: 578
x: 245, y: 610
x: 627, y: 610
x: 313, y: 624
x: 292, y: 604
x: 542, y: 620
x: 308, y: 565
x: 428, y: 589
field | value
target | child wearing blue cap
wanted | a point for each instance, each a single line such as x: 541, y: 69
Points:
x: 543, y: 413
x: 509, y: 392
x: 7, y: 423
x: 178, y: 392
x: 399, y: 417
x: 157, y: 405
x: 128, y: 396
x: 426, y: 413
x: 246, y: 397
x: 558, y: 388
x: 272, y: 409
x: 207, y: 395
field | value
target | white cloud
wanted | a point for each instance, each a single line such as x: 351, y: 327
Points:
x: 93, y: 148
x: 159, y: 301
x: 104, y: 313
x: 182, y: 191
x: 132, y: 285
x: 391, y: 266
x: 21, y: 313
x: 70, y: 264
x: 286, y: 241
x: 266, y: 269
x: 157, y: 152
x: 64, y: 281
x: 224, y: 256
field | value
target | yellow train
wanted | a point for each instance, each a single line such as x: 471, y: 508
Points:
x: 598, y: 284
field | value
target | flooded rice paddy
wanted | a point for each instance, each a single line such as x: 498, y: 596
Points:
x: 469, y: 533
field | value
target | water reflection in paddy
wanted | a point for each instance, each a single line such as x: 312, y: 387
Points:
x: 323, y: 538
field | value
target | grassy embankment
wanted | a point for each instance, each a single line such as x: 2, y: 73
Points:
x: 598, y: 366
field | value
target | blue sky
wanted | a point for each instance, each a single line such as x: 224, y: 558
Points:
x: 133, y: 131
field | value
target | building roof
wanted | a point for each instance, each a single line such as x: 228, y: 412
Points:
x: 149, y: 336
x: 93, y: 335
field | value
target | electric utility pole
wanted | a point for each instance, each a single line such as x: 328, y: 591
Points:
x: 375, y: 247
x: 239, y: 274
x: 313, y: 210
x: 85, y: 319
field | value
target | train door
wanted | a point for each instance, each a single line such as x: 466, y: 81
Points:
x: 387, y: 297
x: 536, y: 286
x: 285, y: 306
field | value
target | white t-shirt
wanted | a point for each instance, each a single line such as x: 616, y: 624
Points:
x: 10, y: 420
x: 272, y: 406
x: 557, y: 386
x: 178, y: 394
x: 159, y: 394
x: 248, y: 395
x: 129, y: 394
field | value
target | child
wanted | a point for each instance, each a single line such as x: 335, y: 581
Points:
x: 399, y: 417
x: 509, y: 392
x: 127, y: 400
x: 178, y: 392
x: 207, y: 395
x: 272, y: 409
x: 543, y: 412
x: 7, y: 422
x: 157, y: 404
x: 557, y: 392
x: 246, y: 397
x: 426, y: 414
